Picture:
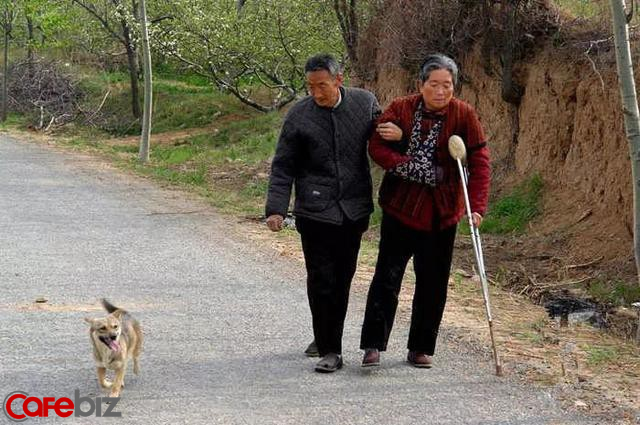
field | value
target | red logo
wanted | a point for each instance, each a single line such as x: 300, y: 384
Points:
x: 34, y: 407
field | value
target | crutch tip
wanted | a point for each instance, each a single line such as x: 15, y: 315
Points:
x: 499, y: 370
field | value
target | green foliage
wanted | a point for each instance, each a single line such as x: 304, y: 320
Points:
x: 126, y: 148
x: 513, y: 212
x: 177, y: 108
x: 195, y: 177
x: 173, y: 154
x: 457, y: 279
x: 266, y: 44
x: 177, y: 104
x: 579, y: 8
x: 238, y: 150
x: 256, y: 189
x: 532, y: 337
x: 376, y: 218
x: 191, y: 81
x: 230, y: 139
x: 54, y: 25
x: 113, y: 77
x: 376, y: 176
x: 616, y: 292
x: 14, y: 120
x: 244, y: 141
x: 597, y: 356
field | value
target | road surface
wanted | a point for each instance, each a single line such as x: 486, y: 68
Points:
x: 225, y: 320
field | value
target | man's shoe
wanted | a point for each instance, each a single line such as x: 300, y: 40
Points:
x: 329, y: 363
x: 418, y: 359
x: 371, y: 358
x: 312, y: 350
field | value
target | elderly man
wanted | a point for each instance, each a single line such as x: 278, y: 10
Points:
x: 322, y: 151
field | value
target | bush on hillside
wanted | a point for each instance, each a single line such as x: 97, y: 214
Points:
x: 43, y: 92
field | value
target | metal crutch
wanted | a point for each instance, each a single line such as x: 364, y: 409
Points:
x: 458, y: 152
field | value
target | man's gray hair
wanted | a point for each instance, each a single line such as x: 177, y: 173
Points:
x: 438, y: 61
x: 323, y: 62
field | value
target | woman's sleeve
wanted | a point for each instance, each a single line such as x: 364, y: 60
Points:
x: 478, y: 163
x: 383, y: 153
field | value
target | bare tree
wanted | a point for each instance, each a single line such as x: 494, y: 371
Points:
x: 629, y: 109
x: 511, y: 90
x: 346, y: 12
x: 30, y: 36
x: 256, y: 50
x: 7, y: 23
x: 148, y: 85
x: 123, y: 33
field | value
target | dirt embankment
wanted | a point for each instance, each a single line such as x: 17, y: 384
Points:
x: 568, y: 128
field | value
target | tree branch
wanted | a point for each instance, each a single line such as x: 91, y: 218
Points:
x: 100, y: 19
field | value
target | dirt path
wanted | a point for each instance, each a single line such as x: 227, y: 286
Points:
x: 171, y: 137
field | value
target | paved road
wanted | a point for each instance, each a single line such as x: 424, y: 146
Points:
x: 225, y: 320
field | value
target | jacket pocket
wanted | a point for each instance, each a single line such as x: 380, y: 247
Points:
x: 315, y: 197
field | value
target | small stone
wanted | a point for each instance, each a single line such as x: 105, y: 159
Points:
x: 580, y: 404
x: 41, y: 300
x: 463, y: 273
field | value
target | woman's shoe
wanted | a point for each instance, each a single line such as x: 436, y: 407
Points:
x: 418, y: 359
x: 371, y: 357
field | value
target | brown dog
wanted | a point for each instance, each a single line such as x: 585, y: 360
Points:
x: 115, y: 338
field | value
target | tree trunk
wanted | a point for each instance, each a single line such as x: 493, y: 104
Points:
x: 346, y: 13
x: 489, y: 39
x: 132, y: 59
x: 5, y: 67
x: 511, y: 90
x: 630, y: 111
x: 148, y: 86
x: 30, y: 40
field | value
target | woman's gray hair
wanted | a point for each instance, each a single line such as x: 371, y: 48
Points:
x: 438, y: 61
x: 323, y: 62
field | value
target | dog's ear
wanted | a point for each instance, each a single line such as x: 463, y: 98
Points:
x: 89, y: 320
x: 118, y: 314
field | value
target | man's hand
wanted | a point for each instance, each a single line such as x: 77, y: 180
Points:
x: 389, y: 132
x: 476, y: 218
x: 275, y: 222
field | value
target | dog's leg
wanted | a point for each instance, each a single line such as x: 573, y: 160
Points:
x: 137, y: 348
x: 136, y: 356
x: 102, y: 380
x: 118, y: 381
x: 136, y: 365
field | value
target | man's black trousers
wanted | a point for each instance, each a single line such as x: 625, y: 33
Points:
x: 331, y: 255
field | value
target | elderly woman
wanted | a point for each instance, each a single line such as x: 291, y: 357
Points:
x: 422, y: 201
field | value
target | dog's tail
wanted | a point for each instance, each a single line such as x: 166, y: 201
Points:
x: 108, y: 306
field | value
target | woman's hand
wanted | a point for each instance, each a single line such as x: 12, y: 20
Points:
x: 476, y: 218
x: 389, y: 132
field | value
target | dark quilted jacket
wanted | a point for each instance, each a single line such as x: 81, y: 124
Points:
x: 323, y: 153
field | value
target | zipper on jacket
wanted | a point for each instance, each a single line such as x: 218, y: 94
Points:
x: 336, y: 156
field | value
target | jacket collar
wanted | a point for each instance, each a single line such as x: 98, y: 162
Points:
x: 340, y: 97
x: 417, y: 98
